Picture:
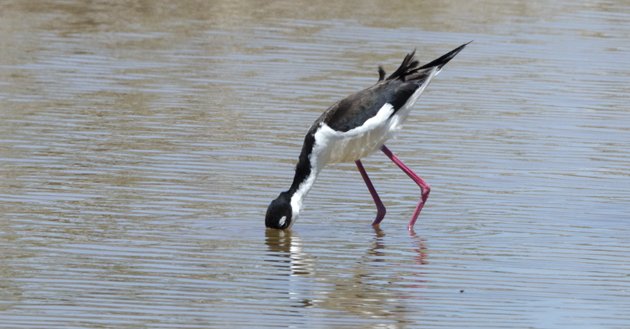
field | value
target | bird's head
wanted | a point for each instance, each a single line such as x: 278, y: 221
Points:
x: 280, y: 213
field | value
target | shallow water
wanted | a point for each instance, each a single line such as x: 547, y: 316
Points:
x: 141, y: 142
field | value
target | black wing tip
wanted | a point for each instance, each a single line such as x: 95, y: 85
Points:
x: 444, y: 59
x: 410, y: 65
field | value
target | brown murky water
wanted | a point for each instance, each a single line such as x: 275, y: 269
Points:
x: 141, y: 141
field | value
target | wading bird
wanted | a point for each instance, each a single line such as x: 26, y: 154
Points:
x: 355, y: 127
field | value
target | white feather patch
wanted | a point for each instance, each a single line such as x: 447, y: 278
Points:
x: 355, y: 143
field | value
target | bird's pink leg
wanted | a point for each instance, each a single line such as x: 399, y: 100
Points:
x: 424, y: 187
x: 380, y: 208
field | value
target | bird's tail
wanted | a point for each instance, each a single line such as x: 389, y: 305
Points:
x: 409, y: 68
x: 440, y: 62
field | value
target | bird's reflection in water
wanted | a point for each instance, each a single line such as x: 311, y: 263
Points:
x: 376, y: 285
x: 286, y: 254
x: 288, y: 246
x: 419, y: 248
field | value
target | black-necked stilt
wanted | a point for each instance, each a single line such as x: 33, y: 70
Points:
x: 355, y: 127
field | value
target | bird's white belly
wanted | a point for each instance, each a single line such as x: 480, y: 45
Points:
x: 334, y: 147
x: 351, y: 148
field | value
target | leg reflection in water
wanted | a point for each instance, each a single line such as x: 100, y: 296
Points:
x: 383, y: 282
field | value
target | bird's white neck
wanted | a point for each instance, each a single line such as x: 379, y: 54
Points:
x: 312, y: 159
x: 298, y: 196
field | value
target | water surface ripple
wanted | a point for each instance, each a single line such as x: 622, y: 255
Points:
x: 140, y: 143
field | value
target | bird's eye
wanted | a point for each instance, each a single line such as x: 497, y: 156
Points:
x: 282, y: 220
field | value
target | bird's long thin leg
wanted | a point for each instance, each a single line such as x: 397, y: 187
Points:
x: 380, y: 208
x: 424, y: 187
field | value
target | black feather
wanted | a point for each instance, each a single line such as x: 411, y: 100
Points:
x: 381, y: 73
x: 440, y: 62
x: 407, y: 64
x: 409, y: 69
